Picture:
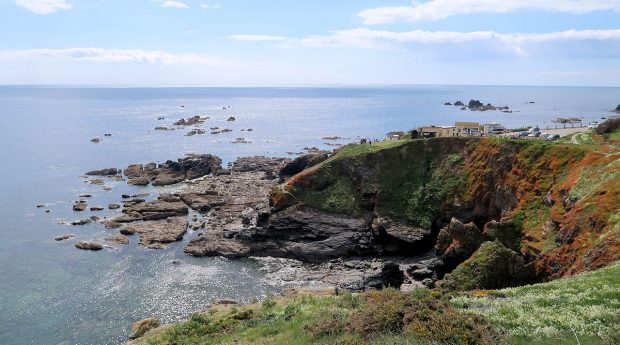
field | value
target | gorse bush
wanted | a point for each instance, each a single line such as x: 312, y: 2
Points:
x: 420, y: 315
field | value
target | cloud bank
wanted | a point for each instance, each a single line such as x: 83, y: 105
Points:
x: 382, y: 39
x: 440, y: 9
x: 101, y: 55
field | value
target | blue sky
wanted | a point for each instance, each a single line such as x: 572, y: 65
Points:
x: 302, y: 42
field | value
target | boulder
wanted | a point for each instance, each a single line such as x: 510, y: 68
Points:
x: 617, y: 110
x: 139, y: 328
x: 459, y: 104
x: 492, y: 266
x: 114, y: 206
x: 79, y: 207
x: 84, y: 245
x: 457, y: 241
x: 103, y: 172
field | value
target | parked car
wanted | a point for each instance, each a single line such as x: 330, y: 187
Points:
x: 553, y: 137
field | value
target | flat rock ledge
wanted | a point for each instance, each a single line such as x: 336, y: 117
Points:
x: 154, y: 235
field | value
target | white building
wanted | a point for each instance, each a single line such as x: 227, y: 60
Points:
x: 493, y: 128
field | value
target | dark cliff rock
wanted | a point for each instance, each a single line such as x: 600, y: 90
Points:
x: 302, y: 162
x: 297, y: 233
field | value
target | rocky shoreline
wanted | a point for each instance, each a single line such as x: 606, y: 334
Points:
x: 231, y: 211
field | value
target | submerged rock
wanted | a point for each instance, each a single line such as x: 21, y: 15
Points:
x: 64, y: 237
x: 118, y: 238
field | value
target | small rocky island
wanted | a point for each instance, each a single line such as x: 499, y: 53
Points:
x: 476, y: 105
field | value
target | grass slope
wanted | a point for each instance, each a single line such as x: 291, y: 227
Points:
x: 584, y: 307
x: 578, y: 310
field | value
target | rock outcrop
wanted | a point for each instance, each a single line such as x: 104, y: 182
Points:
x: 103, y: 172
x: 170, y: 172
x: 492, y: 266
x: 268, y: 165
x: 155, y: 234
x: 457, y: 242
x: 161, y: 208
x: 191, y: 121
x: 302, y: 162
x: 297, y: 233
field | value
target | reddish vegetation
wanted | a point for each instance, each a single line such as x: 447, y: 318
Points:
x: 570, y: 231
x: 563, y: 199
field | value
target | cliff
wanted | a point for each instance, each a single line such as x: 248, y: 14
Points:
x: 560, y: 203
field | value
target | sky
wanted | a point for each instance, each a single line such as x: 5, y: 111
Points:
x: 310, y: 42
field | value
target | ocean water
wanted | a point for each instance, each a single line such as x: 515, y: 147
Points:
x: 52, y: 293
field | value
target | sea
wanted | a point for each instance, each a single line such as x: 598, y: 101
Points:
x: 52, y: 293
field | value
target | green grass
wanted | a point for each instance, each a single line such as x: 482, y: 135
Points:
x: 613, y: 135
x: 353, y: 150
x: 376, y: 317
x: 584, y: 307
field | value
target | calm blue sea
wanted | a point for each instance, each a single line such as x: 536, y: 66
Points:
x: 51, y: 293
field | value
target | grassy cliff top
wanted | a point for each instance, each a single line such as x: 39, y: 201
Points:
x: 583, y: 307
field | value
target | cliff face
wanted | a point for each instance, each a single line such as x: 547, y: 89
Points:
x: 561, y: 201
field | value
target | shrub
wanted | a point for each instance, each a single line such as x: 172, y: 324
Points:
x: 419, y: 315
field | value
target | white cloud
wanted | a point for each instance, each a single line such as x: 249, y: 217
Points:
x: 381, y: 39
x: 210, y: 7
x: 43, y: 6
x: 101, y: 55
x: 441, y: 9
x: 174, y: 4
x: 258, y: 38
